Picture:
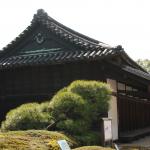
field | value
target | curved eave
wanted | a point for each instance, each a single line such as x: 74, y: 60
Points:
x: 131, y: 62
x: 137, y: 72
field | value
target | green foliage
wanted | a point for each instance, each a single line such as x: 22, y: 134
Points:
x: 69, y: 109
x: 145, y: 63
x: 74, y: 109
x: 89, y: 138
x: 77, y: 107
x: 67, y: 105
x: 27, y: 116
x: 74, y: 127
x: 97, y: 95
x: 43, y: 107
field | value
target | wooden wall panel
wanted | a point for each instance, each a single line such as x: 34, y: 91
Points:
x: 134, y: 113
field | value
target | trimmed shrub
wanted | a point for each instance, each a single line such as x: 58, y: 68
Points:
x: 43, y: 107
x: 69, y: 109
x: 27, y: 116
x: 78, y: 108
x: 66, y: 105
x: 88, y: 138
x: 97, y: 95
x: 74, y: 127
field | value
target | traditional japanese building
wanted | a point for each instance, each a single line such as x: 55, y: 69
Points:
x: 47, y: 56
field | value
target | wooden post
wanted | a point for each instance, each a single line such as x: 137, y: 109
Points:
x: 149, y: 89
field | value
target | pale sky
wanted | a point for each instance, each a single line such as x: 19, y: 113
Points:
x: 115, y: 22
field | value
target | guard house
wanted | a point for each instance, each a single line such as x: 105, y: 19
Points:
x: 47, y: 56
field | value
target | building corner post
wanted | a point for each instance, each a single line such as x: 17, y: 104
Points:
x: 113, y: 112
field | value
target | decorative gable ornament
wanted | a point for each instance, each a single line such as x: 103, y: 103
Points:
x: 39, y: 38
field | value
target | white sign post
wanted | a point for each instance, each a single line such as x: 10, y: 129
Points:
x: 106, y: 131
x: 63, y: 145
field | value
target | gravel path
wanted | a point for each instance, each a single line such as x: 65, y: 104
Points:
x: 143, y: 142
x: 140, y: 142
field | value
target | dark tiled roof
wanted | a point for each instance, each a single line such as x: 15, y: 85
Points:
x: 87, y: 48
x: 137, y: 72
x: 53, y: 58
x: 61, y: 31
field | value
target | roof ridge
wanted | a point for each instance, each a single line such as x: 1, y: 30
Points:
x: 84, y: 42
x: 77, y: 38
x: 43, y: 17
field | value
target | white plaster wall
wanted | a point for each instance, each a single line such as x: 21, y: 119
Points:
x: 135, y: 90
x: 121, y: 86
x: 113, y: 113
x: 128, y: 88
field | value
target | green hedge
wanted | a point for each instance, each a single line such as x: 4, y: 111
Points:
x: 88, y: 138
x: 27, y: 116
x: 79, y: 106
x: 97, y: 95
x: 73, y: 127
x: 67, y: 103
x: 69, y: 109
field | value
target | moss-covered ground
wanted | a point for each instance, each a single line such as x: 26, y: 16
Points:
x: 30, y: 140
x: 92, y: 148
x: 41, y: 140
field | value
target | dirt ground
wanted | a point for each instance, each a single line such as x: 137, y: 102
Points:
x: 144, y: 142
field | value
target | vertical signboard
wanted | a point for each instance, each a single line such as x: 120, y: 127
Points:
x: 107, y: 130
x: 63, y: 145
